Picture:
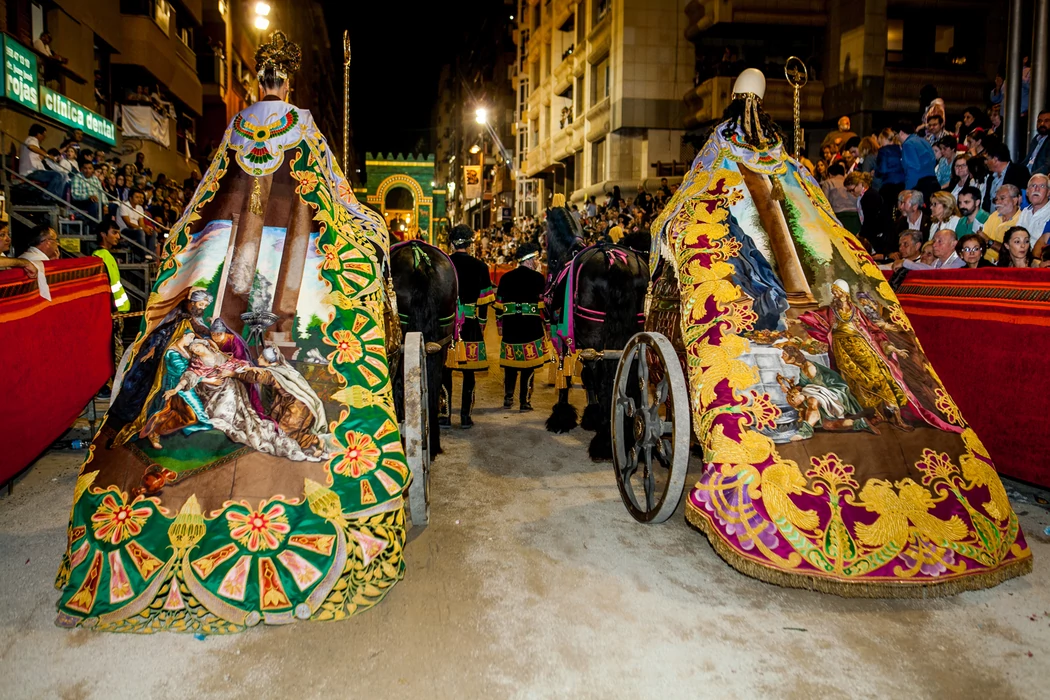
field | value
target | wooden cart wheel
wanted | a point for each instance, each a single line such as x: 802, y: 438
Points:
x: 651, y: 428
x: 416, y: 431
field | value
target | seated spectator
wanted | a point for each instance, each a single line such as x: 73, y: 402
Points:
x: 944, y: 150
x: 121, y: 187
x: 1035, y: 218
x: 971, y: 216
x: 1007, y: 212
x: 944, y: 213
x: 5, y: 248
x: 67, y: 160
x: 31, y: 159
x: 913, y: 215
x: 85, y: 190
x: 909, y: 246
x: 1003, y: 172
x: 874, y: 219
x: 1038, y: 159
x: 1017, y: 249
x: 43, y: 245
x: 944, y: 255
x: 835, y: 189
x: 918, y: 160
x: 133, y: 225
x: 971, y: 250
x: 960, y: 175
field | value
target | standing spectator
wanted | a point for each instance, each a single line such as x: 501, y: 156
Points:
x: 971, y: 216
x: 889, y: 171
x: 664, y: 189
x: 944, y: 255
x: 43, y: 245
x: 918, y: 160
x: 1007, y: 212
x: 1038, y: 160
x: 971, y: 251
x: 1017, y: 249
x: 874, y: 221
x: 592, y: 208
x: 85, y: 190
x: 944, y: 151
x: 840, y: 135
x: 140, y: 164
x: 944, y: 214
x: 132, y: 224
x: 1036, y: 216
x: 108, y: 239
x: 31, y: 160
x: 934, y: 131
x: 1003, y: 172
x: 973, y: 118
x: 867, y: 154
x: 914, y: 216
x: 849, y: 153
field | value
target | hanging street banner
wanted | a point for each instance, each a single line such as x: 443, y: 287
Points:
x: 20, y: 77
x: 62, y: 109
x: 472, y: 181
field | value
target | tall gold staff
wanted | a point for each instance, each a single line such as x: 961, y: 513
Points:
x: 346, y: 103
x: 797, y: 76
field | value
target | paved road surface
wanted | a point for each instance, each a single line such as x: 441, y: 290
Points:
x: 533, y: 582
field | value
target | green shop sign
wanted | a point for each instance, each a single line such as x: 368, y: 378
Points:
x: 20, y: 81
x: 65, y: 110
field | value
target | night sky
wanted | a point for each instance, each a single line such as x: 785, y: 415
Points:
x: 397, y: 50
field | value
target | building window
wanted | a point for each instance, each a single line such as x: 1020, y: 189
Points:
x: 546, y: 59
x: 600, y: 81
x: 943, y: 39
x: 894, y: 40
x: 581, y: 23
x: 601, y: 8
x: 598, y: 161
x: 578, y: 97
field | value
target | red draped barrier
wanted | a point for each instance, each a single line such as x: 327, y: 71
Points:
x: 987, y: 334
x: 54, y: 355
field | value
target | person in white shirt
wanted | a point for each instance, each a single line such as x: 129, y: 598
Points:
x: 944, y: 212
x: 31, y: 159
x: 43, y: 245
x: 43, y: 45
x: 130, y: 219
x: 1035, y: 218
x: 944, y: 255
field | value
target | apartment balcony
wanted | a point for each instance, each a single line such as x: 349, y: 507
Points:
x: 598, y: 120
x: 706, y: 102
x: 704, y: 14
x: 563, y: 75
x: 170, y: 61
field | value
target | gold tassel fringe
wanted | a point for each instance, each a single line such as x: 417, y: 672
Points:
x: 860, y: 589
x: 255, y: 201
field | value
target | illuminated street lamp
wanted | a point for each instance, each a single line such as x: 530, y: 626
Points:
x: 481, y: 115
x: 475, y: 148
x: 261, y: 22
x: 262, y: 8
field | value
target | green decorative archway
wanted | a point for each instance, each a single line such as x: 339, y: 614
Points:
x: 427, y: 218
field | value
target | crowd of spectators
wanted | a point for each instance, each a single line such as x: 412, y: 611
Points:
x: 907, y: 184
x: 144, y: 205
x: 615, y: 219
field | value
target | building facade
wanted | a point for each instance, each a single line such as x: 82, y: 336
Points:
x: 599, y: 88
x: 869, y: 60
x: 472, y: 145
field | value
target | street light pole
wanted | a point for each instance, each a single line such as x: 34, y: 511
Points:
x: 1012, y: 99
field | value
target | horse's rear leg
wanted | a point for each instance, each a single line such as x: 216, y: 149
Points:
x: 592, y: 413
x: 600, y: 449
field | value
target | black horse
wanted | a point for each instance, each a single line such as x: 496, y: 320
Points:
x: 427, y: 293
x: 607, y: 302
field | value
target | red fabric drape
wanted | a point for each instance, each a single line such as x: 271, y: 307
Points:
x: 54, y: 356
x: 987, y: 334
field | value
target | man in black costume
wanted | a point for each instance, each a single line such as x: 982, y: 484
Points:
x: 475, y: 296
x: 518, y: 309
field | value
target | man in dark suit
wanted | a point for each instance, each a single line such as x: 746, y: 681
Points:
x: 914, y: 215
x: 1002, y: 172
x: 1038, y: 160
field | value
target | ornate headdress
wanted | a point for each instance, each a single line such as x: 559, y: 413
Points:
x: 280, y: 54
x: 750, y: 86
